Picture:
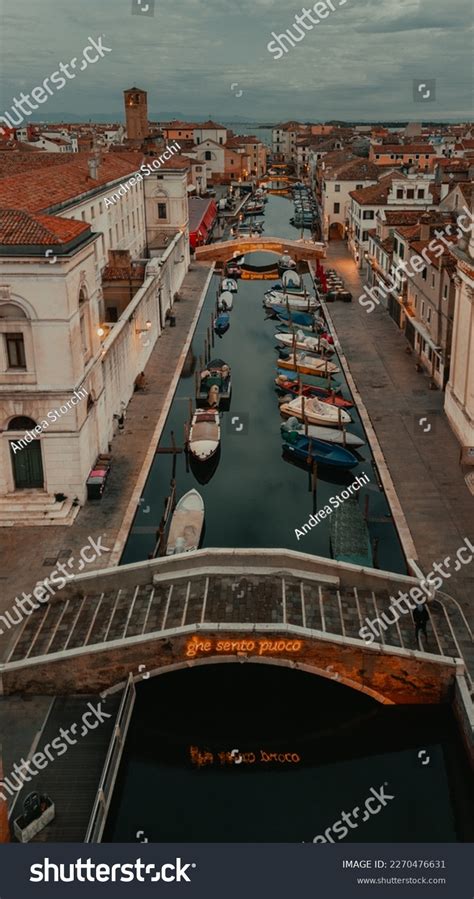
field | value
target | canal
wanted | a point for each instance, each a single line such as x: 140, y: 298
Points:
x: 257, y: 753
x: 256, y: 497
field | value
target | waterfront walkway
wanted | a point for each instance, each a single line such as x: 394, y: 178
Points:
x: 29, y: 554
x: 423, y: 464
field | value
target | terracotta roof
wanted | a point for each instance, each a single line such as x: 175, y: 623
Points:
x: 176, y: 124
x: 445, y: 260
x: 355, y: 169
x: 376, y: 194
x: 210, y: 124
x: 23, y: 229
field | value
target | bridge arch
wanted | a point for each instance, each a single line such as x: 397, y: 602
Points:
x: 300, y: 250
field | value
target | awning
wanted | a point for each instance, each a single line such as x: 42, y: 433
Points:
x: 425, y: 334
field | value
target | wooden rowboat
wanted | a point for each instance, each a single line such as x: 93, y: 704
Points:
x: 204, y: 434
x: 308, y: 365
x: 316, y: 412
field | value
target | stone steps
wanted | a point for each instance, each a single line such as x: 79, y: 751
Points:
x: 36, y: 509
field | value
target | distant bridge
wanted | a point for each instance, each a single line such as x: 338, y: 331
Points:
x: 306, y: 250
x: 276, y: 607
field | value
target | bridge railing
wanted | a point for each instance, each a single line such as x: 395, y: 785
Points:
x: 110, y: 770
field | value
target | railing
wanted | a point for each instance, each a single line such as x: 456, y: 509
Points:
x: 109, y: 773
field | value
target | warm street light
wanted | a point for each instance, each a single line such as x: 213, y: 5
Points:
x: 143, y: 330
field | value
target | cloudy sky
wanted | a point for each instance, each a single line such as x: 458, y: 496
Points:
x: 359, y: 63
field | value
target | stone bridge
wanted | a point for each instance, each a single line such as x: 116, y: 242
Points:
x: 274, y: 607
x: 300, y: 250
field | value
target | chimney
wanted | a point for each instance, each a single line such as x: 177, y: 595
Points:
x: 4, y: 825
x: 424, y: 227
x: 93, y: 166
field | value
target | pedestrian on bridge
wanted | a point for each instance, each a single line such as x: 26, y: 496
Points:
x: 420, y: 618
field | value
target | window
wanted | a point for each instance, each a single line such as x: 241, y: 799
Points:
x: 221, y: 140
x: 83, y: 216
x: 359, y: 186
x: 422, y: 310
x: 337, y: 188
x: 445, y: 292
x: 15, y: 350
x: 100, y: 208
x: 421, y: 194
x: 92, y: 212
x: 433, y: 279
x: 410, y: 194
x: 399, y: 193
x: 429, y: 314
x: 110, y: 237
x: 337, y: 207
x: 162, y: 214
x: 117, y: 233
x: 368, y: 214
x: 423, y: 274
x: 365, y: 236
x: 208, y: 154
x: 401, y: 250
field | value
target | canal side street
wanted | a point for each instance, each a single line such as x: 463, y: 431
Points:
x: 30, y: 554
x: 423, y: 464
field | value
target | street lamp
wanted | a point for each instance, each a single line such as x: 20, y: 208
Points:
x: 143, y: 330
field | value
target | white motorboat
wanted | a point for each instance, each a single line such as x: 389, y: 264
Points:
x: 225, y: 301
x: 331, y: 435
x: 285, y: 263
x: 316, y: 412
x: 186, y: 524
x: 204, y: 434
x: 279, y: 298
x: 292, y: 282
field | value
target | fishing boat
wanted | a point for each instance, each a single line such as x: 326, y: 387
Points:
x: 225, y: 301
x: 330, y: 435
x: 309, y: 449
x: 215, y: 376
x: 229, y: 284
x: 250, y: 226
x: 325, y: 394
x: 286, y: 300
x: 204, y: 434
x: 349, y: 535
x: 308, y: 365
x: 186, y: 524
x: 221, y: 323
x: 316, y: 412
x: 303, y: 342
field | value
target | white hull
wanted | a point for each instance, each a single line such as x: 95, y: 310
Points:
x: 315, y: 412
x: 186, y: 524
x: 330, y: 435
x: 204, y: 434
x: 301, y: 304
x: 225, y: 301
x: 310, y: 344
x: 309, y: 365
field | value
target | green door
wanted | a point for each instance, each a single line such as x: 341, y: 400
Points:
x: 28, y: 466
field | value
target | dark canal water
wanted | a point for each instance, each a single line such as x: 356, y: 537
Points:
x: 334, y: 745
x: 256, y: 498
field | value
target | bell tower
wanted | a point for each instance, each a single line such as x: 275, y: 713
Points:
x: 136, y: 114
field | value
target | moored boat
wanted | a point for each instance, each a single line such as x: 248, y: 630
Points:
x: 292, y: 282
x: 308, y: 365
x: 225, y: 301
x: 302, y: 319
x: 229, y: 284
x: 308, y: 449
x: 323, y: 393
x: 284, y: 263
x: 321, y: 344
x: 331, y: 435
x: 316, y: 412
x: 216, y: 375
x: 221, y: 323
x: 186, y: 524
x: 204, y: 434
x: 286, y: 300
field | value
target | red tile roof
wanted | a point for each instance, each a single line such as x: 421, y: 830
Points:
x: 23, y: 229
x: 376, y: 194
x: 403, y: 148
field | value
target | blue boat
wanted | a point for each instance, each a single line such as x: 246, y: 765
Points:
x: 221, y: 323
x: 310, y: 448
x: 305, y: 319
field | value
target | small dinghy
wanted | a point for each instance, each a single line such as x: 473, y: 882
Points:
x: 308, y: 449
x: 285, y: 263
x: 330, y: 435
x: 284, y: 300
x: 323, y: 393
x: 229, y: 284
x: 308, y: 365
x: 303, y: 342
x: 225, y: 301
x: 222, y: 323
x: 186, y: 524
x: 204, y: 434
x: 316, y: 412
